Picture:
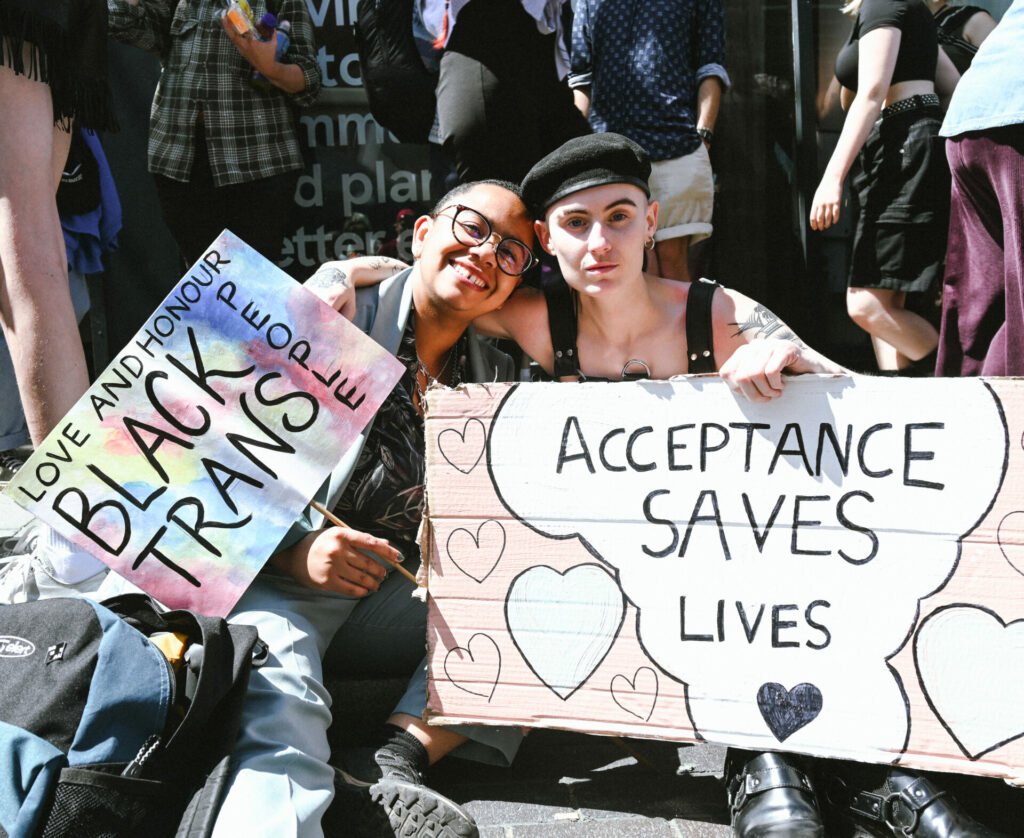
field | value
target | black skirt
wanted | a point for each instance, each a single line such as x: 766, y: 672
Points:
x: 62, y: 43
x: 902, y: 188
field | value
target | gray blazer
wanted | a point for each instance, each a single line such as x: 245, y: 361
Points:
x: 382, y: 311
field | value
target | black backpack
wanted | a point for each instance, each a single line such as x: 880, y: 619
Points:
x: 399, y: 88
x: 100, y: 736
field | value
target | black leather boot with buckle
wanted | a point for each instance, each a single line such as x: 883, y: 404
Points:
x: 906, y: 804
x: 770, y: 796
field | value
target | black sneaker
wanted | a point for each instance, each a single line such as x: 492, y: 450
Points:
x: 379, y: 797
x: 417, y: 811
x: 369, y: 764
x: 10, y: 462
x: 353, y: 812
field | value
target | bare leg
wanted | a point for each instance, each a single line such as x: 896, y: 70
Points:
x: 887, y: 356
x: 880, y: 313
x: 672, y: 258
x: 439, y: 741
x: 35, y: 305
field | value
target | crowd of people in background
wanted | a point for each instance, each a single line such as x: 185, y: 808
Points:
x: 593, y: 119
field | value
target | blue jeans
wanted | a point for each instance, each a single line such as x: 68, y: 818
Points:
x: 282, y: 782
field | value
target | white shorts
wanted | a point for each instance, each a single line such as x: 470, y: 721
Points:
x: 685, y: 191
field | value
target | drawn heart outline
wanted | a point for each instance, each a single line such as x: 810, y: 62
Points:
x: 487, y: 648
x: 472, y: 556
x: 1012, y: 551
x: 461, y: 447
x: 629, y: 693
x: 542, y: 602
x: 959, y: 646
x: 786, y: 711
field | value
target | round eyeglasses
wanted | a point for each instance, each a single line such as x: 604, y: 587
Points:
x: 471, y: 229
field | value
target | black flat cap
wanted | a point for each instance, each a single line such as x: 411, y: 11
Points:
x: 584, y: 162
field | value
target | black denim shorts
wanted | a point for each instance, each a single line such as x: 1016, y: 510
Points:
x: 902, y: 188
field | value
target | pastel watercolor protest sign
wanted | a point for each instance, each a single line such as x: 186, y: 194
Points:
x: 839, y: 572
x: 191, y: 455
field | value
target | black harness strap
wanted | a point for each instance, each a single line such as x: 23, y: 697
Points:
x: 562, y: 325
x: 700, y: 334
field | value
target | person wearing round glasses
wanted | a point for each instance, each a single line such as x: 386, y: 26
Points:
x: 470, y: 255
x: 468, y: 226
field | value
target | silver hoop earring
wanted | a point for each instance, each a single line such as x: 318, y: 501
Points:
x: 649, y: 244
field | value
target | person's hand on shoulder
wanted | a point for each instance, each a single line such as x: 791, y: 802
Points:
x: 336, y: 282
x: 332, y: 284
x: 335, y: 559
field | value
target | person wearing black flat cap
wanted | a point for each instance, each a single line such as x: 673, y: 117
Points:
x: 612, y: 320
x: 609, y: 319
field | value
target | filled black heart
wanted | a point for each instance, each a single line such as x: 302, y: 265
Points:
x: 786, y: 711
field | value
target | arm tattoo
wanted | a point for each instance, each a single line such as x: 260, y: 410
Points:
x: 394, y: 265
x: 766, y: 324
x: 329, y: 278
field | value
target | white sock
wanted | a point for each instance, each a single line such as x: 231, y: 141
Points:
x: 65, y: 562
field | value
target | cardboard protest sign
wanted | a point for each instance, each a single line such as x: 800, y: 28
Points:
x: 192, y: 454
x: 839, y: 572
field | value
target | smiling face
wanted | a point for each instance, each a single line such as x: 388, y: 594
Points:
x: 467, y: 279
x: 598, y: 235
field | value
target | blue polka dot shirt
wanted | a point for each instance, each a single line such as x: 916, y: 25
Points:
x: 644, y: 61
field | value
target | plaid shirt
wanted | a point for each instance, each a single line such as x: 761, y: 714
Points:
x: 250, y: 133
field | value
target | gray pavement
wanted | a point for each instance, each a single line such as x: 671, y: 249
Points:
x: 566, y: 784
x: 563, y: 783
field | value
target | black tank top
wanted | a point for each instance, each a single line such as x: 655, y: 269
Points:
x: 563, y: 327
x: 951, y: 21
x: 918, y: 42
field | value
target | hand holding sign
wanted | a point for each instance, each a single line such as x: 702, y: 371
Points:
x: 195, y: 450
x: 377, y: 547
x: 336, y: 560
x: 754, y: 370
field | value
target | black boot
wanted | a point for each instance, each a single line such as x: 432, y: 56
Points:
x: 770, y: 796
x: 905, y: 804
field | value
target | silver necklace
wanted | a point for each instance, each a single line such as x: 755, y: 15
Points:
x: 421, y: 390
